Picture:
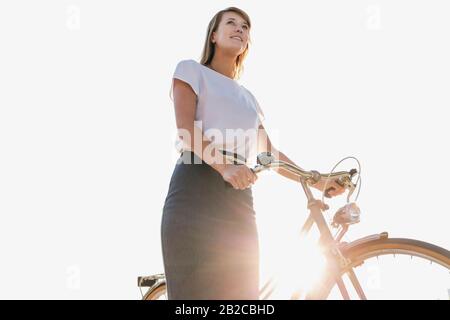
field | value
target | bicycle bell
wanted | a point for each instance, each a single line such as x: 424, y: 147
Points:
x: 265, y: 158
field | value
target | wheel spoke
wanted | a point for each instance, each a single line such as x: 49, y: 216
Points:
x: 379, y: 278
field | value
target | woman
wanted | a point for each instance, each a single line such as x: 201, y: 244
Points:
x: 209, y: 235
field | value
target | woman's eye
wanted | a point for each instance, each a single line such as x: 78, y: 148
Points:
x: 244, y: 26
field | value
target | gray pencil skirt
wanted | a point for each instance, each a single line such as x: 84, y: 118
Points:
x: 209, y: 236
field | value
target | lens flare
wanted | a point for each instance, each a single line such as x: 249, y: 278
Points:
x: 297, y: 268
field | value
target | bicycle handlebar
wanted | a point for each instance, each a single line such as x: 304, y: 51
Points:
x: 267, y: 161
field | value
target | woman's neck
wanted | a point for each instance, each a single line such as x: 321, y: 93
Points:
x: 223, y: 64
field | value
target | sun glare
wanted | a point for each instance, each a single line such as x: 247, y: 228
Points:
x: 296, y: 268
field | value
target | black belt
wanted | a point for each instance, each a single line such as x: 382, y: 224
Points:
x: 235, y: 157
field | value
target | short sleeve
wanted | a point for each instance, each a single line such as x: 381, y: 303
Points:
x: 259, y: 111
x: 187, y: 71
x: 258, y: 108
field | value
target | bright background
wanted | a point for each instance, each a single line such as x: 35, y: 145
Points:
x: 87, y: 127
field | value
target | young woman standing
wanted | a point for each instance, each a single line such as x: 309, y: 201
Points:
x: 208, y: 231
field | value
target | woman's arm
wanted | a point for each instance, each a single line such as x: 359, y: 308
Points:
x: 192, y: 138
x: 265, y: 145
x: 185, y: 101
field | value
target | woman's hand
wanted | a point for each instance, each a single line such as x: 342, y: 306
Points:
x: 336, y: 190
x: 239, y: 176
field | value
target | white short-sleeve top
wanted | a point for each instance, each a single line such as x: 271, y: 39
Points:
x: 227, y: 112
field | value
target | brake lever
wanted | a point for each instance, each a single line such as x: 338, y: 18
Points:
x: 344, y: 182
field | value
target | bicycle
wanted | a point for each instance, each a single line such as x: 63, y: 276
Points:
x: 342, y: 258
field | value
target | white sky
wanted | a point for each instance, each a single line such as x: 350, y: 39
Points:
x: 87, y: 126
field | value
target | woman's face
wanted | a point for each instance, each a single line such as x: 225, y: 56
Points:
x: 232, y: 33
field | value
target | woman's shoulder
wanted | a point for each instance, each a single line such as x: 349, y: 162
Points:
x: 188, y: 63
x: 189, y: 66
x: 188, y: 71
x: 248, y: 91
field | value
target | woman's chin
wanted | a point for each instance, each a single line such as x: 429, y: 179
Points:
x: 235, y: 50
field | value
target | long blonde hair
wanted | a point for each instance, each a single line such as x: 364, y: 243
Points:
x: 209, y: 47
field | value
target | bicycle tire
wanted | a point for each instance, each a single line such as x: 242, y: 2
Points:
x: 155, y: 292
x: 360, y: 252
x: 402, y: 246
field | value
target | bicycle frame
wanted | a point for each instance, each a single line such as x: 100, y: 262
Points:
x: 327, y: 240
x: 335, y: 259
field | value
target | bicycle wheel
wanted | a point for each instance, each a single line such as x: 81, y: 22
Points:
x: 396, y: 269
x: 158, y: 292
